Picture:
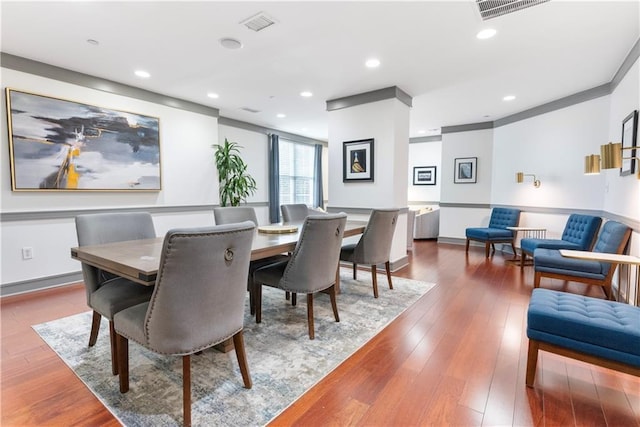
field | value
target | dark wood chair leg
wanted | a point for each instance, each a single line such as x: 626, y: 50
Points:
x: 532, y: 361
x: 238, y: 343
x: 523, y: 257
x: 536, y: 279
x: 374, y: 278
x: 294, y: 299
x: 257, y: 301
x: 513, y: 248
x: 355, y: 271
x: 334, y: 304
x: 486, y: 249
x: 95, y: 327
x: 186, y: 390
x: 123, y: 362
x: 467, y: 247
x: 493, y: 248
x: 114, y: 348
x: 310, y: 316
x: 387, y: 266
x: 252, y: 303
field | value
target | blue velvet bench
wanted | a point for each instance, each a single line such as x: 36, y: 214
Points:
x: 601, y: 332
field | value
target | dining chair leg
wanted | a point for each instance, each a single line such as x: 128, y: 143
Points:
x: 95, y: 327
x: 238, y: 343
x: 486, y: 249
x: 186, y: 390
x: 337, y: 285
x: 310, y: 316
x: 294, y: 299
x: 355, y: 270
x: 257, y: 301
x: 523, y: 257
x: 374, y: 278
x: 123, y: 359
x: 467, y: 247
x: 287, y: 295
x: 387, y: 266
x: 334, y: 304
x: 252, y: 303
x: 114, y: 348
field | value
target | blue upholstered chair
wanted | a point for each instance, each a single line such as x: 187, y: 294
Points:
x: 550, y: 263
x: 579, y: 234
x: 496, y: 232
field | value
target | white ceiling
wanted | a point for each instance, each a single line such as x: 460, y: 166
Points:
x: 427, y: 48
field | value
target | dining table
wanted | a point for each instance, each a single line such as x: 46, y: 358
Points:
x: 138, y: 260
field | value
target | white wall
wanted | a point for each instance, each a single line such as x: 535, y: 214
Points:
x: 425, y: 154
x: 387, y: 122
x: 479, y: 143
x: 188, y: 178
x: 552, y: 146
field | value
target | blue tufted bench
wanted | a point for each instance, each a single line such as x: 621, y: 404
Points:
x: 605, y: 333
x: 497, y: 231
x: 579, y: 234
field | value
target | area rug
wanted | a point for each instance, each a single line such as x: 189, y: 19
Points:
x: 283, y: 362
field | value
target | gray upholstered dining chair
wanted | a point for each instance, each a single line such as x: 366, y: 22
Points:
x: 107, y: 293
x: 374, y: 247
x: 294, y: 213
x: 198, y: 301
x: 312, y: 267
x: 233, y: 214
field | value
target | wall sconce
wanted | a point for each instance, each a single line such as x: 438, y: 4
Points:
x: 592, y: 164
x: 520, y: 178
x: 611, y: 156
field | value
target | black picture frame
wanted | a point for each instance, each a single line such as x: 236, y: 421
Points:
x: 358, y: 160
x: 629, y: 142
x: 424, y: 175
x: 465, y: 170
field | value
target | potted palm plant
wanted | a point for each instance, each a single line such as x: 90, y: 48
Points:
x: 235, y: 184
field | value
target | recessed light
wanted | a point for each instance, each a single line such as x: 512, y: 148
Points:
x: 142, y: 74
x: 213, y: 95
x: 93, y: 42
x: 372, y: 63
x: 486, y: 33
x: 509, y: 98
x: 306, y: 94
x: 281, y: 116
x: 230, y: 43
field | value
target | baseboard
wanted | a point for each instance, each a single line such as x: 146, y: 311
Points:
x: 40, y: 283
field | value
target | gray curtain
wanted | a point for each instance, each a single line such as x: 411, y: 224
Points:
x: 274, y: 179
x: 317, y: 178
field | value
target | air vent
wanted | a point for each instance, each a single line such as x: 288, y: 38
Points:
x: 494, y: 8
x: 258, y: 22
x: 250, y: 110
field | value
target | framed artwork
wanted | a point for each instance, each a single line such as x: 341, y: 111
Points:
x: 357, y: 160
x: 424, y: 175
x: 629, y: 141
x: 60, y: 145
x: 465, y: 170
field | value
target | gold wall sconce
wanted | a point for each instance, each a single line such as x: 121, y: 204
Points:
x: 520, y: 178
x: 592, y: 164
x: 611, y: 156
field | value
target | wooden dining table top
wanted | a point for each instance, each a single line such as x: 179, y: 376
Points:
x: 138, y: 260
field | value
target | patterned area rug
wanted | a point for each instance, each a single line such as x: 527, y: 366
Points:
x: 283, y: 362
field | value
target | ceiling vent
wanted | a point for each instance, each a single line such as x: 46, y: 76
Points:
x: 258, y: 22
x: 494, y: 8
x: 250, y: 110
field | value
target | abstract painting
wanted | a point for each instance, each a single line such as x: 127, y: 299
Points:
x: 61, y: 145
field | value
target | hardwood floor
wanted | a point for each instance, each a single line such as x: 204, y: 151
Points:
x: 456, y: 357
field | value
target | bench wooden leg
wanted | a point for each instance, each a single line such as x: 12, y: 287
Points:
x: 532, y: 362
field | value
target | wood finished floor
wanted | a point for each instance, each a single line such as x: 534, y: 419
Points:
x: 456, y: 357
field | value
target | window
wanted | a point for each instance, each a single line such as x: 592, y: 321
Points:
x: 296, y: 173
